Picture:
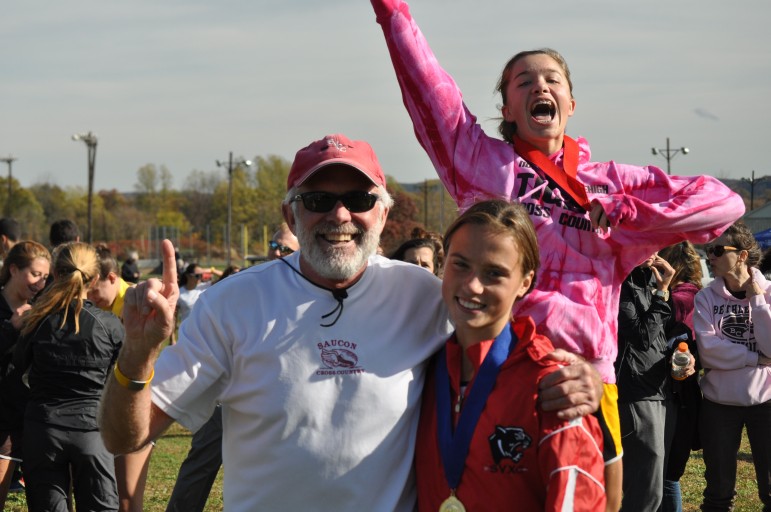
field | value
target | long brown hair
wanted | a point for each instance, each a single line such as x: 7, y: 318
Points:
x: 21, y: 256
x: 75, y: 268
x: 686, y: 262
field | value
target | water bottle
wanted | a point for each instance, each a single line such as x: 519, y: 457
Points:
x: 680, y: 360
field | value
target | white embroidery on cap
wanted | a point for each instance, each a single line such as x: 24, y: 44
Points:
x: 339, y: 145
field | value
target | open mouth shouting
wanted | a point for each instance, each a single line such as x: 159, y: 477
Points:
x: 543, y: 111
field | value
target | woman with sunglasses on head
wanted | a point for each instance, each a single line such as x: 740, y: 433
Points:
x: 732, y: 321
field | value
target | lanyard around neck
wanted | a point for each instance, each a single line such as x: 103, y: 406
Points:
x: 565, y: 178
x: 454, y: 446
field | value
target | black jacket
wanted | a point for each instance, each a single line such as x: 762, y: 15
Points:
x: 642, y: 366
x: 67, y: 371
x: 13, y: 393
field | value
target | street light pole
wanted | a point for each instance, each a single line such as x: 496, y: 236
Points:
x: 230, y: 165
x: 90, y: 140
x: 669, y: 154
x: 9, y: 160
x: 752, y: 188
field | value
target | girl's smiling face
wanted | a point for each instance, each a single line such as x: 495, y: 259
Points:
x: 539, y: 101
x: 29, y: 281
x: 482, y: 280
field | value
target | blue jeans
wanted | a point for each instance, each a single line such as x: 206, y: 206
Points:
x: 673, y: 498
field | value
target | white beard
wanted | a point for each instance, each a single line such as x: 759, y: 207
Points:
x: 330, y: 261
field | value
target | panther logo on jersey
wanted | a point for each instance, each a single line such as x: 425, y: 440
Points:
x: 509, y: 443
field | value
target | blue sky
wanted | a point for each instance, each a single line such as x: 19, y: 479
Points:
x: 182, y: 83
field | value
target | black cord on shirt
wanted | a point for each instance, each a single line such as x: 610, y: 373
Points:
x: 339, y: 294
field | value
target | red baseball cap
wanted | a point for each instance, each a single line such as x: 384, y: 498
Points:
x: 335, y: 149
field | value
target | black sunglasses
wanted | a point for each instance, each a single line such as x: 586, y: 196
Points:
x: 355, y: 201
x: 197, y: 276
x: 283, y: 249
x: 719, y: 250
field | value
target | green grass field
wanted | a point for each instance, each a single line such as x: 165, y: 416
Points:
x: 171, y: 449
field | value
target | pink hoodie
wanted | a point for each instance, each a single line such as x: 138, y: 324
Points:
x: 575, y: 303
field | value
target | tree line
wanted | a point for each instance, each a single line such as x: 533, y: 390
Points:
x: 197, y: 214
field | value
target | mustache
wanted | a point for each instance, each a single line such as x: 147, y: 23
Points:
x: 329, y: 228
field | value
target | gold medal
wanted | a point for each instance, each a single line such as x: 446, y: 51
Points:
x: 452, y: 504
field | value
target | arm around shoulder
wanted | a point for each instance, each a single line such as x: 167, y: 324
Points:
x: 572, y: 391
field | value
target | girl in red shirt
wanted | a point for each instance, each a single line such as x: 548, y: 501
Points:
x: 483, y: 443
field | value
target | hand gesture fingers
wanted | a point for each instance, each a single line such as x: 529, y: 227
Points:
x: 148, y: 310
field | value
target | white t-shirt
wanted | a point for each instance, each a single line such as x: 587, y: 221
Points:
x: 314, y: 418
x: 187, y: 299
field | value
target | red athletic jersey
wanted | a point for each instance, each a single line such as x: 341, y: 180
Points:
x: 520, y: 458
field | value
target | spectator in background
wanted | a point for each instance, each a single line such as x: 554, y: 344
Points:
x: 644, y: 393
x: 283, y: 243
x: 420, y: 252
x: 130, y: 269
x: 230, y: 270
x: 687, y: 395
x: 108, y: 290
x: 732, y: 321
x: 107, y: 293
x: 68, y: 347
x: 438, y: 240
x: 23, y: 275
x: 10, y: 232
x: 191, y: 286
x: 63, y: 231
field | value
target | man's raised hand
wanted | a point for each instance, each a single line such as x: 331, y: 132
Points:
x: 148, y: 310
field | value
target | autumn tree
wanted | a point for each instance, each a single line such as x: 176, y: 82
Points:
x: 198, y: 192
x: 24, y: 207
x: 402, y: 219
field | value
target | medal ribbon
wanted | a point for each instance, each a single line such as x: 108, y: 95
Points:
x: 454, y: 447
x: 565, y: 178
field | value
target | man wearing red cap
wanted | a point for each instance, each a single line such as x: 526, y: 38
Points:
x: 319, y: 383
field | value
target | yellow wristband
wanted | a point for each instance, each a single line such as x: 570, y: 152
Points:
x: 133, y: 385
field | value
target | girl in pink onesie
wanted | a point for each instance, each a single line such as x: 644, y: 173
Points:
x: 571, y: 200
